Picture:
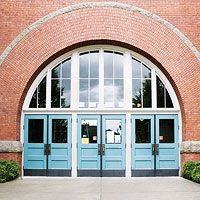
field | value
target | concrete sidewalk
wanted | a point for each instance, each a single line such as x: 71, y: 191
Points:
x: 100, y: 189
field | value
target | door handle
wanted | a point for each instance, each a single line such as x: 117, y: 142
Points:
x: 157, y: 149
x: 103, y: 149
x: 99, y: 149
x: 47, y: 149
x: 153, y: 149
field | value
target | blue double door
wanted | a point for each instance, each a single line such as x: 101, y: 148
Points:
x: 155, y: 149
x: 101, y: 145
x: 47, y: 145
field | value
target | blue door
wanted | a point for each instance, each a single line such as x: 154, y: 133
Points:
x: 47, y: 145
x: 35, y: 129
x: 59, y: 138
x: 167, y: 155
x: 101, y: 145
x: 113, y: 141
x: 88, y: 145
x: 142, y: 140
x: 155, y: 145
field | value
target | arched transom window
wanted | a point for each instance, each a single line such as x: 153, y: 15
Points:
x: 101, y: 78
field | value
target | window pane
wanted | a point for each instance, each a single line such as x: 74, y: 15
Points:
x: 55, y: 93
x: 94, y: 90
x: 94, y: 65
x: 33, y: 103
x: 143, y: 131
x: 118, y: 66
x: 59, y: 131
x: 42, y: 94
x: 166, y: 130
x: 136, y: 94
x: 88, y: 131
x: 113, y: 131
x: 146, y: 84
x: 108, y: 65
x: 169, y: 103
x: 136, y: 69
x: 146, y: 72
x: 108, y: 90
x: 35, y: 130
x: 84, y: 66
x: 83, y: 93
x: 55, y: 73
x: 65, y: 93
x: 66, y: 69
x: 160, y: 94
x: 119, y: 92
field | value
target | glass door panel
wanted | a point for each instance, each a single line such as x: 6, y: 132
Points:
x: 167, y: 145
x: 142, y: 140
x: 113, y: 141
x: 59, y: 139
x: 34, y: 142
x: 88, y: 141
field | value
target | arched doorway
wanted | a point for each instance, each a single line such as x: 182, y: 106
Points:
x: 101, y: 111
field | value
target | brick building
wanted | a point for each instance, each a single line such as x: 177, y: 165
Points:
x: 100, y: 88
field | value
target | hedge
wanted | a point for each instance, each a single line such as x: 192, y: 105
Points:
x: 191, y: 171
x: 9, y: 170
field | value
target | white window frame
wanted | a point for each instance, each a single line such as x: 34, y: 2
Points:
x: 128, y: 55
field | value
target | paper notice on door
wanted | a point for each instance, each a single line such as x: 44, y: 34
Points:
x: 117, y: 139
x: 110, y: 137
x: 85, y: 140
x: 161, y: 137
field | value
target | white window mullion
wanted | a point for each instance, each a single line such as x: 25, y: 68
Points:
x: 127, y: 81
x: 75, y: 80
x: 153, y: 89
x: 48, y: 89
x: 101, y: 79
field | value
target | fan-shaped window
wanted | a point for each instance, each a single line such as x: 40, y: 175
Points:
x: 103, y: 79
x: 141, y: 85
x: 163, y: 98
x: 39, y: 96
x: 61, y: 85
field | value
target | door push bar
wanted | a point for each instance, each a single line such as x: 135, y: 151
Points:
x: 101, y: 149
x: 47, y: 149
x: 155, y: 149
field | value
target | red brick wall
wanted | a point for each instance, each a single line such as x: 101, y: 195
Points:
x: 112, y: 25
x: 192, y: 156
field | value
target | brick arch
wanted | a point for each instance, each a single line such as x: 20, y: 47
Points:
x: 98, y: 24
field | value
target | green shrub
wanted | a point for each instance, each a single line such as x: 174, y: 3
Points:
x: 196, y: 174
x: 9, y: 170
x: 188, y: 167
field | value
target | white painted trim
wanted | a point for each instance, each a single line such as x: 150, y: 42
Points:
x: 128, y: 145
x: 74, y: 146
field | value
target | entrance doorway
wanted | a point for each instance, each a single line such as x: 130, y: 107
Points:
x: 47, y: 145
x: 101, y: 145
x: 155, y: 145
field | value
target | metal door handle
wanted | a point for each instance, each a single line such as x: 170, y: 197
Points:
x: 47, y: 149
x: 99, y: 149
x: 103, y: 149
x: 153, y: 149
x: 157, y: 149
